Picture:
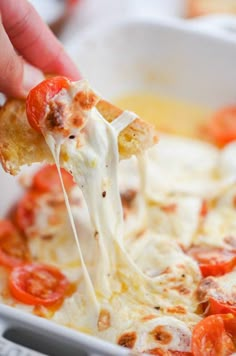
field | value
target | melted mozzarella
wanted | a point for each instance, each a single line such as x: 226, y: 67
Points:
x: 164, y: 332
x: 135, y: 265
x: 94, y: 165
x: 184, y: 166
x: 227, y: 161
x: 227, y: 283
x: 181, y: 223
x: 220, y: 222
x: 220, y: 288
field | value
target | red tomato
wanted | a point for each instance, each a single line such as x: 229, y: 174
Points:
x: 39, y: 97
x: 180, y: 353
x: 213, y: 261
x: 214, y: 336
x: 38, y: 284
x: 47, y: 179
x: 161, y: 352
x: 25, y: 211
x: 220, y: 307
x: 221, y: 129
x: 13, y: 247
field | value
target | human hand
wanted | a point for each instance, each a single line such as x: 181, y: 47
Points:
x: 28, y: 49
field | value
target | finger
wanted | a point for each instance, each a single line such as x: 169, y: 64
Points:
x: 16, y: 76
x: 34, y: 40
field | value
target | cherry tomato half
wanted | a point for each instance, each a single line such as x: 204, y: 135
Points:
x: 13, y: 247
x: 221, y: 129
x: 39, y: 97
x: 38, y: 284
x: 214, y: 336
x: 216, y: 306
x: 161, y: 352
x: 48, y: 180
x: 213, y: 261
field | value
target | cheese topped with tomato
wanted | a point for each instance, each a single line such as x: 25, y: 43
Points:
x: 136, y: 261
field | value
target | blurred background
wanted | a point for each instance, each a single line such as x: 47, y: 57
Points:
x: 67, y: 17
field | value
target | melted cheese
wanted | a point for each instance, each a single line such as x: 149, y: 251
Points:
x: 94, y: 165
x: 171, y: 332
x: 184, y: 166
x: 134, y: 265
x: 220, y: 288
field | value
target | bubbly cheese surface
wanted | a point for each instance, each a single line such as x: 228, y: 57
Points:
x: 131, y: 223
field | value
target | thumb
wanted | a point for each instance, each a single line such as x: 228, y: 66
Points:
x: 31, y: 77
x: 17, y: 77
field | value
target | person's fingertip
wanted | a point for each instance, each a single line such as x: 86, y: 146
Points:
x: 31, y: 77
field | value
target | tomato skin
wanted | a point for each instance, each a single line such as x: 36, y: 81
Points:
x: 161, y: 352
x: 213, y: 261
x: 221, y: 129
x: 39, y: 97
x: 47, y: 180
x: 38, y: 284
x: 218, y: 307
x: 214, y: 336
x: 180, y: 353
x: 13, y: 247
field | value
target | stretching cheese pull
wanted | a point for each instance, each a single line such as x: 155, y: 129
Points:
x: 21, y: 145
x: 87, y: 136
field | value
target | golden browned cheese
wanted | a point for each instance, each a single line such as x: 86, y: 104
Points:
x: 127, y: 339
x: 104, y: 320
x: 20, y: 144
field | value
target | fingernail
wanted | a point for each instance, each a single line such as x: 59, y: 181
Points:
x: 31, y: 77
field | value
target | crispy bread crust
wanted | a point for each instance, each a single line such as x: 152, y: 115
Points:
x: 136, y: 137
x: 21, y: 145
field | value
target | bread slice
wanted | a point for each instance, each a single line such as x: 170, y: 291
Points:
x: 205, y: 7
x: 136, y: 137
x: 21, y: 145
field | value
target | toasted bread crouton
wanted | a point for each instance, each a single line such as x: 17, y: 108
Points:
x: 136, y: 137
x: 21, y: 145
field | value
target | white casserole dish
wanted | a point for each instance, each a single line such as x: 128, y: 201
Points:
x: 176, y: 59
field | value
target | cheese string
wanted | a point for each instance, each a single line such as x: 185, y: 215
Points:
x: 55, y: 149
x: 122, y: 121
x: 142, y: 170
x: 103, y: 164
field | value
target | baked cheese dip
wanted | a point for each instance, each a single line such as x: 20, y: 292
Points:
x: 140, y: 252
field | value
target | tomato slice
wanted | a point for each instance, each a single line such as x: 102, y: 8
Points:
x: 13, y: 246
x: 25, y: 211
x: 216, y: 306
x: 39, y: 97
x: 161, y: 352
x: 214, y: 336
x: 38, y: 284
x: 47, y: 179
x: 213, y: 261
x: 221, y: 129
